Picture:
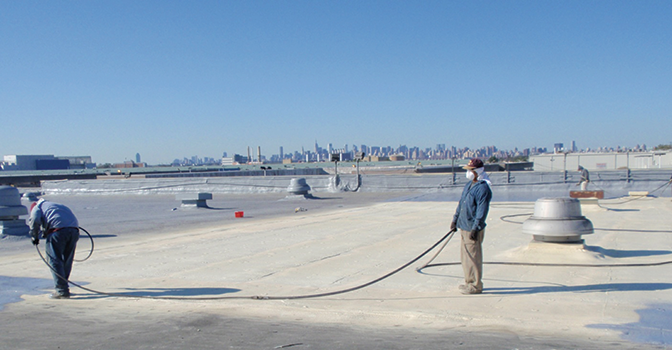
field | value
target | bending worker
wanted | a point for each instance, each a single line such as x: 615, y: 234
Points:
x: 59, y: 226
x: 469, y: 218
x: 585, y: 178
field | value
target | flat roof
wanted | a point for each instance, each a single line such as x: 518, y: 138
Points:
x: 150, y: 246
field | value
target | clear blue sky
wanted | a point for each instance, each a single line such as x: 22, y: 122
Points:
x: 170, y: 79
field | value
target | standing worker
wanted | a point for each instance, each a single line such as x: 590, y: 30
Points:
x: 469, y: 218
x: 585, y: 178
x: 60, y: 227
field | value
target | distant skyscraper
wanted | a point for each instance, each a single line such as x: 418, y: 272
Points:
x: 137, y: 157
x: 282, y: 153
x: 574, y: 149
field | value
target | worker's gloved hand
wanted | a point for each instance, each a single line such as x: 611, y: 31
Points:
x: 35, y: 240
x: 473, y: 235
x: 453, y: 226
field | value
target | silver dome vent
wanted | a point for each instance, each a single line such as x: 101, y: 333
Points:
x: 557, y: 220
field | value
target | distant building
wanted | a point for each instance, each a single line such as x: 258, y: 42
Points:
x: 129, y: 164
x: 45, y: 162
x: 235, y: 160
x: 80, y: 162
x: 376, y: 159
x: 602, y: 161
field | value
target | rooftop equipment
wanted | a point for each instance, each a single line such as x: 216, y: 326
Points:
x: 557, y: 220
x: 10, y: 210
x: 298, y: 187
x: 194, y: 200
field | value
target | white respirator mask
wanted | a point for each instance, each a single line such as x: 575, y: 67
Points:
x: 470, y: 174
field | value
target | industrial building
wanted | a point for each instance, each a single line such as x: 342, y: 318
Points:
x: 46, y: 162
x: 570, y: 161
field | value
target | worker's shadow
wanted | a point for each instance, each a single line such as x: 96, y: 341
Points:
x: 101, y: 236
x: 179, y: 292
x: 160, y: 293
x: 631, y: 230
x: 620, y: 210
x: 214, y: 208
x: 615, y: 253
x: 590, y: 288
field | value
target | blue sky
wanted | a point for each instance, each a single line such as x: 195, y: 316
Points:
x: 170, y: 79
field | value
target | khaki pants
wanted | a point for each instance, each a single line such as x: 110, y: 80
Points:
x: 471, y: 253
x: 584, y: 185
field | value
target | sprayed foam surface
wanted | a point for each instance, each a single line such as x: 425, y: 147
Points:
x: 146, y: 245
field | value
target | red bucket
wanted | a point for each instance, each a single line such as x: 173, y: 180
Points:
x: 239, y: 214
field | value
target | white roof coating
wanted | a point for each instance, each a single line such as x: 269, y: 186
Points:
x: 146, y: 245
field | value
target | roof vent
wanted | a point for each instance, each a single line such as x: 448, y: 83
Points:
x: 10, y: 210
x: 557, y: 220
x: 298, y: 187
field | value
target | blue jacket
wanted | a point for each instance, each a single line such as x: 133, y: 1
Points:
x: 48, y: 216
x: 473, y: 208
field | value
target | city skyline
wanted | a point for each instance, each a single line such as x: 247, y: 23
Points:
x: 426, y: 153
x: 168, y: 78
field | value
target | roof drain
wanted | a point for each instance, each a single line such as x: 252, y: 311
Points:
x: 557, y: 220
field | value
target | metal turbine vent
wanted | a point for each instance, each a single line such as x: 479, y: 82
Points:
x: 10, y: 210
x: 298, y: 187
x: 557, y: 220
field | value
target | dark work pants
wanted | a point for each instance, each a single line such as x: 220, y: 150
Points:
x: 61, y: 253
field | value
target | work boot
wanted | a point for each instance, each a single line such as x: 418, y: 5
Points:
x: 57, y: 295
x: 468, y: 289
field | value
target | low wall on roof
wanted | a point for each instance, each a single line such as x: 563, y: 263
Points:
x: 506, y: 186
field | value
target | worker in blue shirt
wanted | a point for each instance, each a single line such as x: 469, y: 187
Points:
x: 60, y: 227
x: 469, y: 218
x: 585, y: 178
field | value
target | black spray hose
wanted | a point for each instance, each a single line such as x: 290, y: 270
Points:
x: 513, y: 263
x: 447, y: 237
x: 438, y: 252
x: 255, y: 297
x: 365, y: 284
x: 661, y: 187
x: 90, y: 251
x: 505, y: 219
x: 121, y: 295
